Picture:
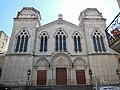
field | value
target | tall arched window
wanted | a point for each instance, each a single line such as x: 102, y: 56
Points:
x: 22, y: 41
x: 98, y: 41
x: 60, y: 40
x: 77, y: 42
x: 43, y: 42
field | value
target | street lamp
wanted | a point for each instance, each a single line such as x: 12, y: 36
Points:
x: 90, y: 73
x: 118, y: 73
x: 28, y: 80
x: 29, y: 73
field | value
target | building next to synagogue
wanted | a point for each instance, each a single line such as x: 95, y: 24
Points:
x: 4, y: 42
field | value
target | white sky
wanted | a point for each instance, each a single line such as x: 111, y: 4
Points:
x: 50, y: 9
x: 71, y: 9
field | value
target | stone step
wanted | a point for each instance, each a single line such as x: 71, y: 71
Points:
x: 53, y: 87
x: 63, y: 87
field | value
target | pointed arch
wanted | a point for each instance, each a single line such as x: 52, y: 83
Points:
x: 77, y: 41
x: 79, y: 62
x: 41, y: 62
x: 22, y: 40
x: 60, y: 40
x: 61, y: 60
x: 98, y: 41
x: 44, y: 41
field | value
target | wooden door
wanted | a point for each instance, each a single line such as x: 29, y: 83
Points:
x: 80, y: 76
x: 61, y: 76
x: 41, y: 77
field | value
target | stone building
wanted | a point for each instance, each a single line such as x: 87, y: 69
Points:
x: 4, y: 42
x: 59, y: 53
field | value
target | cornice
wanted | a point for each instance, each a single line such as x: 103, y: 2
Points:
x: 103, y: 54
x: 19, y: 54
x: 25, y: 19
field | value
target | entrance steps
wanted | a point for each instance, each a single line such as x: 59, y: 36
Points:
x: 63, y: 87
x: 44, y: 87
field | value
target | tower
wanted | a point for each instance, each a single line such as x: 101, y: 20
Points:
x: 100, y: 56
x: 21, y: 48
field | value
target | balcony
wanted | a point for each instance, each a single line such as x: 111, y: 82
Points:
x: 113, y: 34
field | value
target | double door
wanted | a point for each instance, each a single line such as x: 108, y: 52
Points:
x: 41, y: 77
x: 80, y: 76
x: 61, y: 76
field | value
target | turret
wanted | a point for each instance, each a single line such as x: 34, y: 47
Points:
x: 24, y: 31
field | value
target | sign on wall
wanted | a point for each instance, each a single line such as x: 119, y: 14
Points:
x: 113, y: 30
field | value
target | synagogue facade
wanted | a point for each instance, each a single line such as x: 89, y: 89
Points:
x: 60, y: 52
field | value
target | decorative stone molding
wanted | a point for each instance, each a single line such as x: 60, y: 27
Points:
x: 59, y: 22
x: 61, y: 59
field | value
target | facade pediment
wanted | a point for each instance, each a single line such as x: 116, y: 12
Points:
x: 59, y: 22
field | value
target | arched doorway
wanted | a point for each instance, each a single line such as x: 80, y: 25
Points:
x: 79, y: 65
x: 40, y: 66
x: 61, y: 62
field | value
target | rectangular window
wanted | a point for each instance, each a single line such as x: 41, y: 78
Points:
x: 119, y: 60
x: 22, y: 44
x: 79, y: 44
x: 75, y: 43
x: 60, y: 42
x: 45, y: 44
x: 56, y: 43
x: 103, y: 47
x: 0, y: 71
x: 95, y: 44
x: 64, y: 42
x: 99, y: 46
x: 41, y: 44
x: 26, y: 43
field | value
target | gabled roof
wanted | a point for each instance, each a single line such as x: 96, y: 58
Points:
x: 59, y: 22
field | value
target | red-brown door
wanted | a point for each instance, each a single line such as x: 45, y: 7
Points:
x: 41, y: 77
x: 61, y: 76
x: 80, y: 76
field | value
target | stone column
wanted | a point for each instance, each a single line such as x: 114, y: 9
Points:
x: 53, y: 75
x: 73, y: 76
x: 68, y: 75
x: 48, y: 76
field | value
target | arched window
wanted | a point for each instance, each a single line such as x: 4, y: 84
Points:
x: 98, y: 41
x: 22, y: 41
x: 43, y: 42
x: 77, y: 42
x: 60, y: 40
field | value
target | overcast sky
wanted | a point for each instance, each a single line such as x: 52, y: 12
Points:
x: 50, y: 9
